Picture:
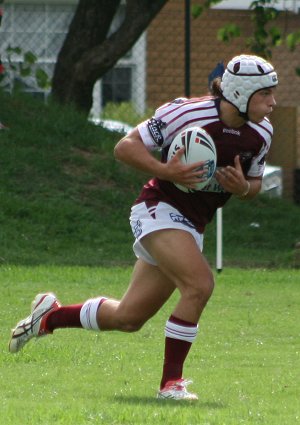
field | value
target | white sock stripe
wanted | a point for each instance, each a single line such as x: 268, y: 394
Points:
x: 88, y: 313
x: 185, y: 333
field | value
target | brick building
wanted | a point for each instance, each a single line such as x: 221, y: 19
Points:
x: 166, y: 71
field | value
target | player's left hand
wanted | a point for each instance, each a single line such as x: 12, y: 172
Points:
x: 232, y: 178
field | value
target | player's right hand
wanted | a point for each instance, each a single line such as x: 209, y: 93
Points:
x: 185, y: 175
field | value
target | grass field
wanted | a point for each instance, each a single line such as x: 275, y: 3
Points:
x: 244, y: 363
x: 64, y: 227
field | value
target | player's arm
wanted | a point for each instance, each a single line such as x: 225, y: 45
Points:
x: 234, y: 181
x: 132, y: 151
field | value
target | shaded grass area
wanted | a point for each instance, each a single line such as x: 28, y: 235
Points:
x: 65, y: 200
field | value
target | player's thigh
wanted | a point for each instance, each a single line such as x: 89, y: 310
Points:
x: 148, y: 291
x: 179, y: 258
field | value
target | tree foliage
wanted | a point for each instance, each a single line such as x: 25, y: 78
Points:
x: 265, y: 37
x: 266, y: 34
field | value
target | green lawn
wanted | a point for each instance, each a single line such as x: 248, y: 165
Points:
x: 245, y: 362
x: 64, y: 226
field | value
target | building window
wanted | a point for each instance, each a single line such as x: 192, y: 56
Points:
x: 116, y: 85
x: 38, y: 28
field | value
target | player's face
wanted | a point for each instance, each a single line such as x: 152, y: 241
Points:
x: 261, y: 104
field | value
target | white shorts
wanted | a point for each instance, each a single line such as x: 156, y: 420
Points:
x: 145, y: 220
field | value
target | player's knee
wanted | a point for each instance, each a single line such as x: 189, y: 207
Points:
x: 129, y: 324
x: 200, y: 289
x: 133, y: 327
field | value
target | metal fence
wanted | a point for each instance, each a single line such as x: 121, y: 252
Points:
x: 41, y: 29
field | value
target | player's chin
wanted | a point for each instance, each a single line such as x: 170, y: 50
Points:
x: 257, y: 120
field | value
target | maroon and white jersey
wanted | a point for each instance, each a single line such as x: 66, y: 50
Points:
x: 250, y: 141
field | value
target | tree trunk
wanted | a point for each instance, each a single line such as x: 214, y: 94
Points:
x: 88, y: 52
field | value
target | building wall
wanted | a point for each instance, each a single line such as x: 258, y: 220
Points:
x: 283, y: 150
x: 166, y: 52
x: 166, y: 70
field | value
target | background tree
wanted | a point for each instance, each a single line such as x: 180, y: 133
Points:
x: 89, y: 49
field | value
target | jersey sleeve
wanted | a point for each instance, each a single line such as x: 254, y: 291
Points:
x: 156, y: 131
x: 258, y: 162
x: 152, y: 133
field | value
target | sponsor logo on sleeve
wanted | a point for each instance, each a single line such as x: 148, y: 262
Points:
x: 154, y: 127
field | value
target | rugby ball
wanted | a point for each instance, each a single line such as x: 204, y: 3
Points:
x: 199, y: 146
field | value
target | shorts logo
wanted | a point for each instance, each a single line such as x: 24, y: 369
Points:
x: 137, y: 229
x: 177, y: 218
x: 152, y: 212
x: 154, y: 127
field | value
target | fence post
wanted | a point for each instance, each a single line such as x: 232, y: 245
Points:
x: 187, y: 82
x: 219, y: 242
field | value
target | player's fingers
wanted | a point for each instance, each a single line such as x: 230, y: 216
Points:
x: 196, y: 166
x: 221, y: 173
x: 234, y: 172
x: 224, y: 178
x: 179, y: 153
x: 237, y: 163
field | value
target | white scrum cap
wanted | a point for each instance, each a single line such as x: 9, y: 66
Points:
x: 245, y: 75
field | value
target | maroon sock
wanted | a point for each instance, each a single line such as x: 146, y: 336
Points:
x: 176, y: 351
x: 64, y: 317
